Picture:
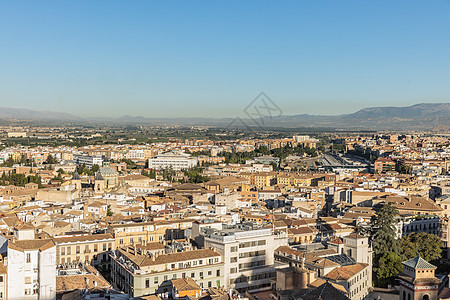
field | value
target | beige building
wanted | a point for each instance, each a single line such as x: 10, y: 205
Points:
x: 91, y: 248
x: 147, y: 232
x: 140, y: 274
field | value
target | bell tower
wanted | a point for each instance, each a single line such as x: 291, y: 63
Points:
x: 76, y: 180
x: 99, y: 183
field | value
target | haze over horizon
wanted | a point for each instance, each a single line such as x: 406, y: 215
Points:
x: 211, y: 59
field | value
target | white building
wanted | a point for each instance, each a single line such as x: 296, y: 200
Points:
x: 136, y: 154
x: 32, y: 269
x: 249, y: 255
x: 88, y: 160
x: 176, y: 160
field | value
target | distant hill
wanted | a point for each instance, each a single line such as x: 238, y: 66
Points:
x: 425, y: 116
x: 9, y: 113
x: 419, y: 116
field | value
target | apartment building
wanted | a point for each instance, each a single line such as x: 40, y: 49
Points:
x: 91, y: 248
x: 147, y: 232
x: 248, y: 252
x: 138, y: 273
x: 354, y: 278
x: 31, y: 269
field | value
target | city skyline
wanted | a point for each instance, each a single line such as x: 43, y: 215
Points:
x: 212, y: 59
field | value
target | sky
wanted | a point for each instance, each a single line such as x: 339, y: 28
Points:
x: 212, y: 58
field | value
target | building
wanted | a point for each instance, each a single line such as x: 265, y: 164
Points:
x: 175, y: 160
x: 139, y: 273
x: 383, y: 165
x: 417, y: 281
x: 249, y: 255
x: 91, y: 248
x: 31, y: 269
x: 354, y: 278
x: 147, y: 232
x: 88, y: 160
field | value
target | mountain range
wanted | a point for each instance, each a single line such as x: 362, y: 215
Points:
x: 425, y: 116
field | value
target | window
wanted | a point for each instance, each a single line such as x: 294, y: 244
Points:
x: 1, y: 278
x: 155, y: 281
x: 27, y: 280
x: 218, y: 272
x: 68, y: 250
x: 233, y: 259
x: 104, y: 246
x: 77, y: 250
x: 147, y: 283
x: 63, y: 251
x: 234, y: 249
x: 95, y: 247
x: 209, y: 273
x: 28, y: 258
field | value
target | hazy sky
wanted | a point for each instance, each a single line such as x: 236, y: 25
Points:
x: 211, y: 58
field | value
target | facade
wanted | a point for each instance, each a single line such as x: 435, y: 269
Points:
x: 175, y: 160
x: 31, y: 269
x: 354, y: 278
x: 147, y: 232
x: 383, y: 165
x: 249, y: 255
x: 138, y: 274
x: 93, y: 248
x: 88, y: 160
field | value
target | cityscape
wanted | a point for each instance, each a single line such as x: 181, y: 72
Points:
x: 196, y: 151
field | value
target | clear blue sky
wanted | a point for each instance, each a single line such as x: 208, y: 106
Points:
x: 211, y: 58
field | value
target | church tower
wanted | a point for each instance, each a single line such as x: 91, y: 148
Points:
x: 417, y: 281
x: 76, y: 180
x: 99, y: 183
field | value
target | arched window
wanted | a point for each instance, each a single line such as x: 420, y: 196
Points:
x: 404, y: 295
x: 409, y: 296
x: 426, y: 297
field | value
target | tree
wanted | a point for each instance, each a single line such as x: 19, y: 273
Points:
x: 389, y: 265
x: 109, y: 212
x: 384, y: 231
x: 427, y: 246
x: 95, y: 168
x: 51, y: 160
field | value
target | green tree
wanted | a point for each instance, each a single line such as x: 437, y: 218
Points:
x: 427, y: 246
x: 389, y: 265
x: 95, y: 168
x: 51, y: 160
x: 109, y: 212
x: 384, y: 231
